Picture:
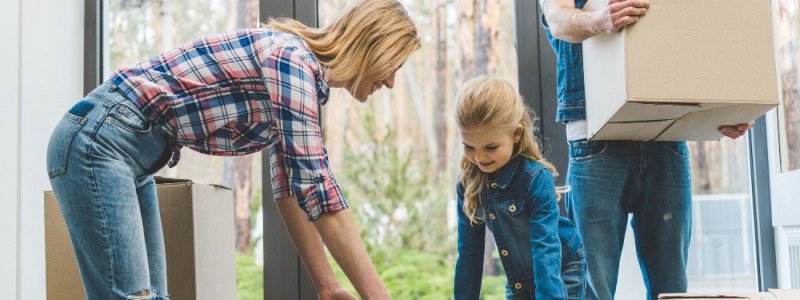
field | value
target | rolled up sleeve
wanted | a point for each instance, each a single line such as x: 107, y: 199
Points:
x: 299, y: 161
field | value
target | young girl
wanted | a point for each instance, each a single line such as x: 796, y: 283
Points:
x: 232, y: 94
x: 507, y: 186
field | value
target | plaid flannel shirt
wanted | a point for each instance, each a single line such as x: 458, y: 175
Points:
x: 239, y: 93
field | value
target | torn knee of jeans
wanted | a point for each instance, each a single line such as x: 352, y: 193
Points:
x: 145, y: 294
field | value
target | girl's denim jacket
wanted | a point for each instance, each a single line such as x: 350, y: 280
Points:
x: 520, y: 207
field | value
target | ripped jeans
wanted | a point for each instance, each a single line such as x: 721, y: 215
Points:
x: 100, y: 160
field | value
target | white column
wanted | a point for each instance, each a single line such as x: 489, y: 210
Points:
x: 9, y: 152
x: 50, y: 81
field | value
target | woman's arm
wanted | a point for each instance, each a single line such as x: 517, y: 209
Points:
x: 308, y: 243
x: 304, y: 184
x: 545, y: 243
x: 469, y: 266
x: 339, y: 232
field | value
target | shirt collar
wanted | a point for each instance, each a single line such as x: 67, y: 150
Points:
x: 322, y: 86
x: 506, y: 173
x: 320, y: 75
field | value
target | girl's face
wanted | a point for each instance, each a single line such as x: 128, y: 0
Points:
x: 490, y: 150
x: 373, y: 82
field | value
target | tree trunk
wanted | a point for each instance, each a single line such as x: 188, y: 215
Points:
x: 238, y: 177
x: 465, y: 31
x: 440, y: 115
x: 702, y: 167
x: 787, y: 28
x: 488, y: 17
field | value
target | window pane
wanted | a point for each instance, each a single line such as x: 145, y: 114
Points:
x: 395, y: 156
x: 788, y: 31
x: 721, y: 253
x: 139, y: 29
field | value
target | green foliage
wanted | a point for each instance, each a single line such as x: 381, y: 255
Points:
x: 249, y: 278
x: 394, y: 200
x: 416, y: 274
x: 402, y: 214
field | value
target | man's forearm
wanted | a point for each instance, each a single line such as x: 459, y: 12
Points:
x: 568, y: 23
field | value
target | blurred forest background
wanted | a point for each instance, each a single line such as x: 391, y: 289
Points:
x: 396, y: 155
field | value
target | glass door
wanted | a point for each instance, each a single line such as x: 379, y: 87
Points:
x: 785, y: 146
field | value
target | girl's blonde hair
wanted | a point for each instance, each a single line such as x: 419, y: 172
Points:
x: 489, y: 103
x: 369, y: 34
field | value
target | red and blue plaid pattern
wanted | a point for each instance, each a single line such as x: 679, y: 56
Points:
x: 237, y: 94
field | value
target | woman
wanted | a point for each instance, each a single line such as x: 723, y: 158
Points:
x: 232, y: 94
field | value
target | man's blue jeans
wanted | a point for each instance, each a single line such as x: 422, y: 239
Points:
x: 651, y: 180
x: 100, y: 160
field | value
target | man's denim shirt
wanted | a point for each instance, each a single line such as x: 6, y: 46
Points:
x: 569, y: 70
x: 520, y: 207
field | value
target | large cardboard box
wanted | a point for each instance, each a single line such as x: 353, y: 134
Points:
x: 773, y: 294
x: 681, y: 71
x: 199, y: 236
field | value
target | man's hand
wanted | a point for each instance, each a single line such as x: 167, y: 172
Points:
x: 620, y: 13
x: 735, y: 131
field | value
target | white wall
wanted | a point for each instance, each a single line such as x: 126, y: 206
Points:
x: 46, y: 80
x: 9, y: 89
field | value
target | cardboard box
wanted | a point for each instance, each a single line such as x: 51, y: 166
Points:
x: 681, y: 71
x: 199, y: 236
x: 773, y: 294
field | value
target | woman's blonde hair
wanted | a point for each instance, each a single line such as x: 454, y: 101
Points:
x: 369, y: 34
x: 490, y: 103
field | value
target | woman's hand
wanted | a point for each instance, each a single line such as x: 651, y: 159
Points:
x: 336, y: 294
x: 735, y: 131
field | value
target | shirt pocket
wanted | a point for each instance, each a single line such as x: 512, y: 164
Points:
x: 510, y: 206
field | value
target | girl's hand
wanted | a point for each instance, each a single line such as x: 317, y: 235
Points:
x: 735, y: 131
x: 336, y: 294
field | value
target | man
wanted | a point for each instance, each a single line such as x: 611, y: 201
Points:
x: 611, y: 179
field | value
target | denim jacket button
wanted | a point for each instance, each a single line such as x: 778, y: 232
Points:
x: 504, y: 252
x: 493, y: 185
x: 491, y: 216
x: 518, y: 285
x: 512, y: 208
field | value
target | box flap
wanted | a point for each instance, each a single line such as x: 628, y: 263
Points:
x: 785, y: 294
x: 652, y: 111
x: 703, y: 125
x: 718, y: 296
x: 166, y: 180
x: 215, y: 247
x: 162, y: 180
x: 637, y: 131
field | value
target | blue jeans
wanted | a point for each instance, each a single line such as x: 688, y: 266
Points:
x: 650, y: 180
x: 100, y: 161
